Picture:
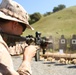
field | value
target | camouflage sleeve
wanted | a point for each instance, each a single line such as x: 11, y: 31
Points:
x: 25, y: 69
x: 23, y: 72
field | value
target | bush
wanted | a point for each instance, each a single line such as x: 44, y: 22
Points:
x: 34, y: 17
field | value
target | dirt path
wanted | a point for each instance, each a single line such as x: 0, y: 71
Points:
x: 48, y: 68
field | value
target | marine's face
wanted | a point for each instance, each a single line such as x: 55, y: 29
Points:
x: 17, y: 29
x: 12, y: 27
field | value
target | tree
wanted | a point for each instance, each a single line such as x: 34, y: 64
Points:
x: 47, y: 13
x: 60, y: 7
x: 34, y: 17
x: 55, y: 9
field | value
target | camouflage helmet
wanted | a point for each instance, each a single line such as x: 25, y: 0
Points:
x: 11, y: 10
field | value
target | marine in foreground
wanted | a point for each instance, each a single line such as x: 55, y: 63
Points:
x: 14, y: 20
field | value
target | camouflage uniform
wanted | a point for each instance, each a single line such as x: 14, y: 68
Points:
x: 11, y: 10
x: 7, y: 68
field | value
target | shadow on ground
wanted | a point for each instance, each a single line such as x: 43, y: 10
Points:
x: 48, y: 62
x: 72, y: 66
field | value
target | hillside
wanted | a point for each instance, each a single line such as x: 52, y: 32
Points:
x: 56, y: 24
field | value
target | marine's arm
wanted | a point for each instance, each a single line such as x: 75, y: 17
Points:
x: 28, y: 54
x: 6, y: 66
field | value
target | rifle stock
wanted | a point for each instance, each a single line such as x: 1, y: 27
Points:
x: 12, y: 39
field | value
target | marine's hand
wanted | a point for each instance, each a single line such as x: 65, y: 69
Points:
x: 29, y: 52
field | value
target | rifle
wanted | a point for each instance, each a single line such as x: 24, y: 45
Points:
x: 11, y: 39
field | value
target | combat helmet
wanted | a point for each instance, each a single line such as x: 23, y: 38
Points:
x: 11, y: 10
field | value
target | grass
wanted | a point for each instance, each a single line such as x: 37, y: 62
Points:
x: 56, y: 24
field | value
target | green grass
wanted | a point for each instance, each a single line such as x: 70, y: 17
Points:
x: 56, y: 24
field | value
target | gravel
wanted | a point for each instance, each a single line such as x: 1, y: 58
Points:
x: 47, y: 68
